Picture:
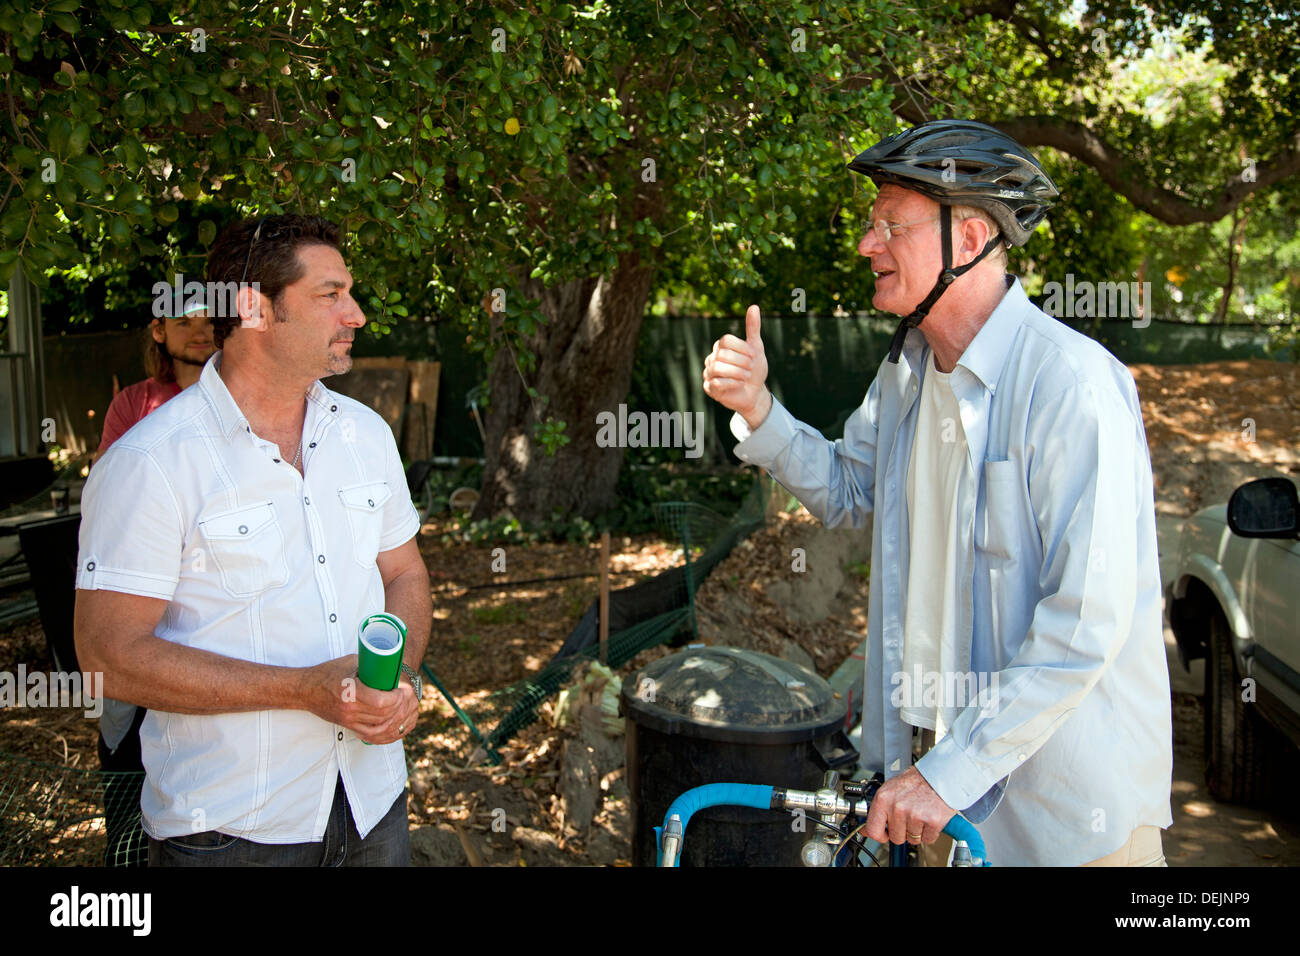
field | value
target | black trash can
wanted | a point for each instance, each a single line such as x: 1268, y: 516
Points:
x: 726, y: 715
x: 50, y: 550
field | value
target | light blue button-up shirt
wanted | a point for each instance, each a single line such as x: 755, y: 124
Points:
x: 1061, y: 593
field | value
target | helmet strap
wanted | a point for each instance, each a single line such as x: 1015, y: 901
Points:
x: 946, y: 278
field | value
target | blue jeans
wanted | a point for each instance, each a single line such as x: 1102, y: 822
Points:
x: 388, y: 844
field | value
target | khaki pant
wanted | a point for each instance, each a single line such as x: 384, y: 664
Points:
x: 1142, y: 849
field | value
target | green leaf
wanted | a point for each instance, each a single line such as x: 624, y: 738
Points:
x: 65, y: 192
x: 89, y: 179
x: 78, y: 139
x: 31, y: 25
x: 133, y: 106
x: 14, y: 224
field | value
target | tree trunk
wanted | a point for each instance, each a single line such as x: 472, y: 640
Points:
x: 585, y: 353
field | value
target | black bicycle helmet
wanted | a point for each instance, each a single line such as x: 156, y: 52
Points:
x: 961, y: 163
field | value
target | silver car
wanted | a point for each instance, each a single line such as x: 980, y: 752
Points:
x: 1234, y: 600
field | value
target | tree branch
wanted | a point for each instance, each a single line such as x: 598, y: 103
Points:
x: 1123, y: 177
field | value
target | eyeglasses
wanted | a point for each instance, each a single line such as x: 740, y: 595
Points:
x: 257, y: 234
x: 888, y: 231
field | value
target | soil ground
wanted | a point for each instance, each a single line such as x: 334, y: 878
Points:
x: 559, y: 797
x: 1212, y: 427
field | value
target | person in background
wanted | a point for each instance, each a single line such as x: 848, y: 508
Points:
x: 181, y: 346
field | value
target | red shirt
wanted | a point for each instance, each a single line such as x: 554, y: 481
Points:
x: 132, y: 404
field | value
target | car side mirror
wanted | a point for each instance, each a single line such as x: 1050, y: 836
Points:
x: 1266, y: 508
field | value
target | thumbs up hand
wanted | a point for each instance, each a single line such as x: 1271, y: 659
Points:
x: 735, y: 373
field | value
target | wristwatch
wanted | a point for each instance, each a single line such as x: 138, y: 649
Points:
x: 414, y: 675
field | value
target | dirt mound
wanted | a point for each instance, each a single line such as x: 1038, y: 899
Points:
x: 1213, y: 426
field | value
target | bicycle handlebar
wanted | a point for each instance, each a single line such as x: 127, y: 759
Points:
x: 959, y: 828
x: 670, y: 837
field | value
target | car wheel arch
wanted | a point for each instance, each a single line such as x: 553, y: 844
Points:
x: 1199, y: 591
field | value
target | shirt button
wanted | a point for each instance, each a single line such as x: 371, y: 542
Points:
x: 333, y: 618
x: 90, y: 566
x: 340, y: 735
x: 243, y: 529
x: 320, y: 558
x: 1022, y: 756
x: 334, y: 408
x: 306, y: 501
x: 276, y: 460
x: 371, y: 502
x: 312, y: 445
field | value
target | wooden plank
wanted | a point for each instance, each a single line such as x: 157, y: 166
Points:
x: 380, y: 383
x: 421, y: 410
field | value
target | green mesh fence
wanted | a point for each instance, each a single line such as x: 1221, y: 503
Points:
x: 655, y: 612
x: 51, y: 815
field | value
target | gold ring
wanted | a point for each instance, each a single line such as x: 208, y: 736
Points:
x: 914, y: 836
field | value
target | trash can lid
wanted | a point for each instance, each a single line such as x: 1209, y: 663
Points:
x: 728, y: 693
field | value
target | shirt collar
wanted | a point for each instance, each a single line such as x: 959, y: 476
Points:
x: 229, y: 417
x: 987, y: 353
x: 915, y: 349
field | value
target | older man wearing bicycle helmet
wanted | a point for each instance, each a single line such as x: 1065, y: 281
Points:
x: 1015, y: 669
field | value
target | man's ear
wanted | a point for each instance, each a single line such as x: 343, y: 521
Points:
x: 975, y: 233
x: 252, y: 306
x: 158, y: 328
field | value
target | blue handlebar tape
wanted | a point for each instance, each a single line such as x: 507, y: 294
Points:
x: 959, y: 828
x: 713, y: 795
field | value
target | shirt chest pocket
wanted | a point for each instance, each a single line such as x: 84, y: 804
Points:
x: 364, y: 506
x: 247, y: 546
x: 997, y: 534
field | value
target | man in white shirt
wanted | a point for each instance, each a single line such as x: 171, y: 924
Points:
x: 231, y: 544
x: 1014, y: 550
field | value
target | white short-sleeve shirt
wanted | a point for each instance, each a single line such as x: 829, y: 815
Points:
x: 259, y: 563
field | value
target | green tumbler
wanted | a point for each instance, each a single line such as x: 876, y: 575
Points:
x: 381, y: 639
